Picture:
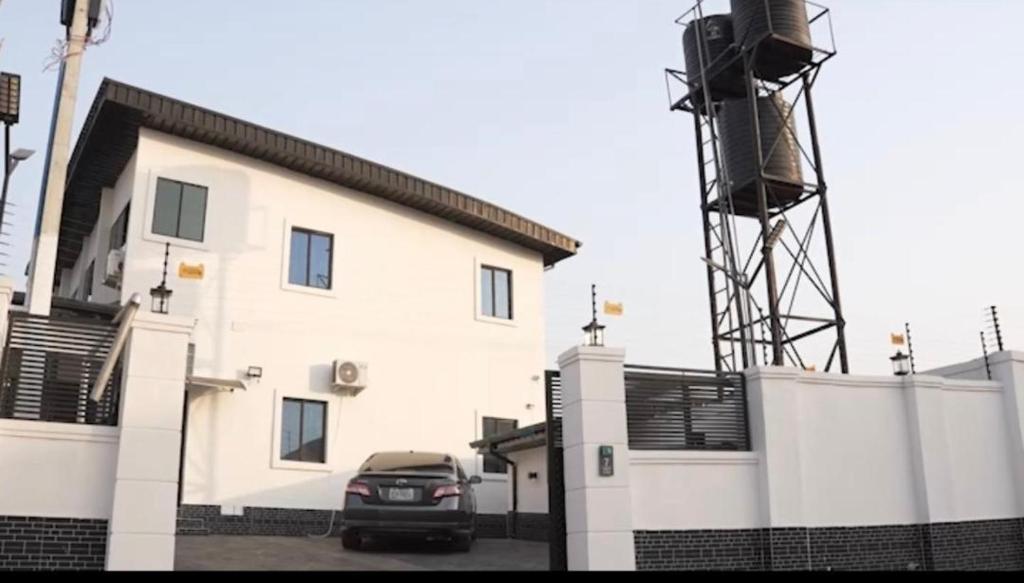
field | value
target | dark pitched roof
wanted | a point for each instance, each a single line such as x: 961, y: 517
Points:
x: 110, y: 135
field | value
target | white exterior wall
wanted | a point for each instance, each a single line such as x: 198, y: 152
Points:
x: 404, y: 301
x: 841, y: 451
x: 533, y: 493
x: 56, y: 470
x: 96, y: 245
x: 687, y: 490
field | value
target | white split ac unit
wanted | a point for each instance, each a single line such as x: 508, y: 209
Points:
x: 115, y: 268
x: 349, y: 375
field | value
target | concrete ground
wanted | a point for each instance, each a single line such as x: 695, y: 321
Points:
x: 259, y: 553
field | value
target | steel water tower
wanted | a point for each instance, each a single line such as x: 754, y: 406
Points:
x: 751, y: 66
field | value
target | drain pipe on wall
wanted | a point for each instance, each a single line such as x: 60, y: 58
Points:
x: 511, y: 528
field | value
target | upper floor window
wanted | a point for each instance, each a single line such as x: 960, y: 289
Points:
x: 496, y: 292
x: 87, y: 282
x: 180, y: 210
x: 310, y: 258
x: 303, y: 425
x: 119, y: 230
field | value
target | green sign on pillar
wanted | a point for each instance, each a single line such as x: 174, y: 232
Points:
x: 606, y: 461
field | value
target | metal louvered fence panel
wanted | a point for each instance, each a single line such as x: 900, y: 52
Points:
x: 677, y: 409
x: 50, y: 366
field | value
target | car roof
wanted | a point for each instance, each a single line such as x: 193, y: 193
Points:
x: 383, y: 461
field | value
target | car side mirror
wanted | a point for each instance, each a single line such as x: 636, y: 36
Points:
x: 476, y: 480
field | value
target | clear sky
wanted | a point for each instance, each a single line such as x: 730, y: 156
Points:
x: 557, y: 109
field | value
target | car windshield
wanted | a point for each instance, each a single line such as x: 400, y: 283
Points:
x: 431, y: 463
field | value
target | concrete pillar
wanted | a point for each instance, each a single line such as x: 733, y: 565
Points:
x: 1008, y: 369
x: 598, y: 509
x: 6, y: 297
x: 929, y: 448
x: 773, y: 399
x: 143, y: 519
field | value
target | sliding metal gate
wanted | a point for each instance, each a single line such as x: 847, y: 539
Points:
x: 557, y: 555
x: 50, y: 366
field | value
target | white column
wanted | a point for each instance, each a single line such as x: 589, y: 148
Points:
x: 6, y: 297
x: 44, y: 256
x: 1008, y: 368
x: 598, y: 509
x: 774, y: 402
x: 929, y: 449
x: 143, y: 519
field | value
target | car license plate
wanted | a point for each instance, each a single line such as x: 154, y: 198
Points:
x: 401, y: 494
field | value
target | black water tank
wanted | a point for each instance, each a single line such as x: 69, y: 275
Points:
x: 724, y: 75
x: 779, y: 29
x: 781, y: 160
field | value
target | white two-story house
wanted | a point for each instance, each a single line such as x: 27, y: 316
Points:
x: 292, y: 257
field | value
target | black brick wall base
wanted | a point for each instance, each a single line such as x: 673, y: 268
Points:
x: 29, y: 543
x: 207, y: 519
x: 982, y: 545
x: 491, y: 526
x: 198, y: 519
x: 529, y: 526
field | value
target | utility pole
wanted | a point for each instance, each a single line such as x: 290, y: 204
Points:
x: 44, y: 250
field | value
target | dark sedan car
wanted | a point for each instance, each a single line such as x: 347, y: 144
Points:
x: 410, y: 494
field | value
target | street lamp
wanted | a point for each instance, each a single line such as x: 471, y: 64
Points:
x: 10, y: 113
x: 900, y: 364
x: 10, y: 98
x: 18, y: 156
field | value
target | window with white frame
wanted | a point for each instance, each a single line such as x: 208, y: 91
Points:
x: 179, y: 210
x: 495, y: 292
x: 309, y: 258
x: 303, y: 431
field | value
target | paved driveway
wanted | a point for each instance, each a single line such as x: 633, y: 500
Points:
x: 259, y: 553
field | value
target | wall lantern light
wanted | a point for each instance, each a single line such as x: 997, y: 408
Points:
x: 900, y: 364
x: 161, y: 295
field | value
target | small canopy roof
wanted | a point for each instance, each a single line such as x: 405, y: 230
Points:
x: 512, y: 441
x: 194, y: 382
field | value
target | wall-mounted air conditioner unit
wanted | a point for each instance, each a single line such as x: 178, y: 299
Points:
x: 349, y: 376
x: 115, y: 268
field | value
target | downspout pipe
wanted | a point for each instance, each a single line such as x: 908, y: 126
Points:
x: 511, y: 528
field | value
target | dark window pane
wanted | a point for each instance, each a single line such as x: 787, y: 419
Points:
x: 494, y: 426
x: 320, y: 261
x: 167, y: 207
x: 487, y: 292
x: 193, y: 213
x: 87, y: 282
x: 297, y: 262
x: 291, y: 430
x: 502, y: 294
x: 313, y: 432
x: 119, y: 230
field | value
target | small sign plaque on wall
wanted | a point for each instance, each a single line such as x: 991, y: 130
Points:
x: 606, y: 461
x: 186, y: 271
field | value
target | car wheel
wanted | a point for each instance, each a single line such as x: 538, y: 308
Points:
x: 351, y: 541
x: 463, y: 543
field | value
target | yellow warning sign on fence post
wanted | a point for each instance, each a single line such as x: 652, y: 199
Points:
x: 613, y: 308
